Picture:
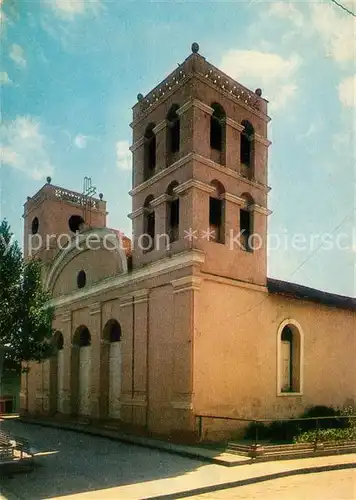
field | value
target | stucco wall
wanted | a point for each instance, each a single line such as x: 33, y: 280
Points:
x: 235, y: 365
x: 97, y: 264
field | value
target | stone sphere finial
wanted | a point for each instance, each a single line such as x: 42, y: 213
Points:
x: 101, y: 196
x: 195, y: 47
x: 258, y: 92
x: 139, y: 97
x: 49, y: 180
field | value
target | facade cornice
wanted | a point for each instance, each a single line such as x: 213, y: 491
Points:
x: 141, y: 296
x: 194, y: 183
x: 262, y: 140
x: 164, y: 266
x: 160, y: 199
x: 234, y: 283
x: 126, y: 300
x: 95, y: 308
x: 161, y: 174
x: 206, y: 161
x: 259, y: 209
x: 186, y: 283
x: 197, y: 104
x: 66, y: 317
x: 232, y: 173
x: 137, y: 144
x: 250, y: 108
x: 233, y: 124
x: 136, y: 213
x: 168, y: 89
x: 234, y: 199
x: 162, y: 125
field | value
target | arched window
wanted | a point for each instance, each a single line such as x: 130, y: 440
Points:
x: 81, y: 279
x: 112, y: 331
x: 149, y: 151
x: 217, y: 128
x: 35, y: 225
x: 75, y: 223
x: 173, y: 212
x: 82, y: 337
x: 290, y: 358
x: 148, y: 225
x: 57, y: 341
x: 246, y: 222
x: 216, y: 213
x: 246, y: 144
x: 173, y: 135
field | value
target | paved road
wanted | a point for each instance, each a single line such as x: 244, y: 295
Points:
x: 331, y: 485
x: 73, y: 466
x: 78, y: 463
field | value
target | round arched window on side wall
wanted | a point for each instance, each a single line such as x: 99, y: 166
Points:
x: 81, y: 279
x: 290, y: 353
x: 35, y: 225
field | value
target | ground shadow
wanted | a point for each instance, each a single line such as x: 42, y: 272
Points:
x: 68, y: 462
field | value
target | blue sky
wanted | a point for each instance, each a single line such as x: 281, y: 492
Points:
x: 71, y: 71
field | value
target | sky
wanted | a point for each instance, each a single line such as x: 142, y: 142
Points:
x: 71, y: 71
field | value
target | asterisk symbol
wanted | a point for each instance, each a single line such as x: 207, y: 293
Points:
x: 190, y: 234
x: 209, y: 234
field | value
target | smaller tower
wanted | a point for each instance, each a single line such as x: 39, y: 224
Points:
x: 54, y: 215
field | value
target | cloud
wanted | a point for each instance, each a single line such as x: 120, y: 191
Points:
x: 25, y: 147
x: 70, y: 9
x: 287, y: 10
x: 347, y: 91
x: 80, y: 141
x: 312, y: 130
x: 17, y: 54
x: 324, y: 22
x: 123, y: 155
x: 4, y: 78
x: 3, y: 22
x: 336, y: 30
x: 268, y: 70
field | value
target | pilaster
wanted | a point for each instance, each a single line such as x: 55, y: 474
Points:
x: 195, y: 125
x: 232, y: 144
x: 127, y: 380
x: 184, y: 292
x: 95, y: 328
x: 67, y: 352
x: 138, y: 152
x: 160, y: 132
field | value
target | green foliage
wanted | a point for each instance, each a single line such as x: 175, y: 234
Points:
x: 349, y: 433
x: 276, y: 431
x: 323, y: 423
x: 25, y: 318
x: 305, y: 431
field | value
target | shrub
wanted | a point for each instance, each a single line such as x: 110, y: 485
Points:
x: 324, y: 423
x: 282, y: 430
x: 260, y: 427
x: 326, y: 435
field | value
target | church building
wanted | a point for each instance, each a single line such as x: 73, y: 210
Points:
x: 182, y: 320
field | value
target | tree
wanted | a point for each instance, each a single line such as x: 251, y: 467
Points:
x: 25, y: 316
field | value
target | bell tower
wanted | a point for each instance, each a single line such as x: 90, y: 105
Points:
x: 54, y: 215
x: 200, y: 172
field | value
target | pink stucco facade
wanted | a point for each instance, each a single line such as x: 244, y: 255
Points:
x: 200, y: 327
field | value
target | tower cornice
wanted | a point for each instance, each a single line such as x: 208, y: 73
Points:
x: 197, y: 66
